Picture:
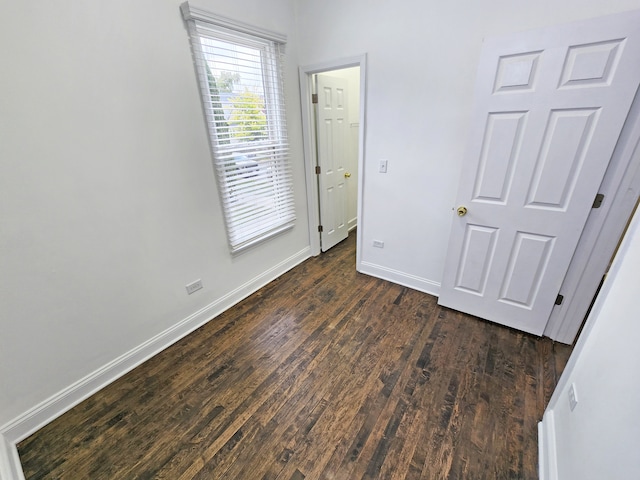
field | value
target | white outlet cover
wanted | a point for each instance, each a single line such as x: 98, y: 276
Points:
x: 193, y: 286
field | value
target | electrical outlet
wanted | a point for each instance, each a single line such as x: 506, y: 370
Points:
x: 383, y: 166
x: 573, y: 397
x: 194, y: 286
x: 378, y: 243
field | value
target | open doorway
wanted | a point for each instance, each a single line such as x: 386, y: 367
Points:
x: 333, y: 128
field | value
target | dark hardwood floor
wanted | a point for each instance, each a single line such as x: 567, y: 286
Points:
x: 322, y: 374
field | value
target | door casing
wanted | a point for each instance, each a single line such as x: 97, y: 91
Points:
x: 306, y: 73
x: 602, y: 232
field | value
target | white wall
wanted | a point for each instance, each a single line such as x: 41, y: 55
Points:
x: 108, y: 205
x: 600, y: 438
x: 421, y: 62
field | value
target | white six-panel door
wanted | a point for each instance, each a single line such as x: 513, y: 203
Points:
x: 549, y: 107
x: 332, y: 132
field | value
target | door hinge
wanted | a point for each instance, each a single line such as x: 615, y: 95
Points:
x: 598, y: 201
x: 320, y: 228
x: 314, y: 98
x: 559, y: 299
x: 317, y: 169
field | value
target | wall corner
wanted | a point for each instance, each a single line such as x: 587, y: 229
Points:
x: 10, y: 468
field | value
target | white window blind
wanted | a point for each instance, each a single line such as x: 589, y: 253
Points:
x: 240, y: 78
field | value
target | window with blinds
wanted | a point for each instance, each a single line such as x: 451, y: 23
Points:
x: 240, y: 78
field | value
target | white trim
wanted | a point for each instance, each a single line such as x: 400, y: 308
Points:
x: 10, y: 467
x: 601, y: 234
x: 309, y: 141
x: 5, y: 455
x: 542, y: 456
x: 305, y: 73
x: 191, y: 12
x: 38, y: 416
x: 401, y: 278
x: 547, y: 460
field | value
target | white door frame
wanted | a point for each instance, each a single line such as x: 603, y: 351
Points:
x: 309, y: 136
x: 602, y: 232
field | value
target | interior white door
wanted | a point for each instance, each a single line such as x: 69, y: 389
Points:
x: 332, y: 132
x: 549, y: 107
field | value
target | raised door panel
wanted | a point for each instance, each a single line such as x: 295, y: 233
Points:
x: 331, y: 139
x: 549, y: 107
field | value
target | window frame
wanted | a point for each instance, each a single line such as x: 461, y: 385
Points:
x: 250, y: 227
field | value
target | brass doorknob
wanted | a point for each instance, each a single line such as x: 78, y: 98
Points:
x: 347, y: 174
x: 462, y: 211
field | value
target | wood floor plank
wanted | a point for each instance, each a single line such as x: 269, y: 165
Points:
x: 275, y: 413
x: 324, y: 373
x: 339, y: 361
x: 341, y: 424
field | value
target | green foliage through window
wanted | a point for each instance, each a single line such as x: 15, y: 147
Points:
x: 248, y: 120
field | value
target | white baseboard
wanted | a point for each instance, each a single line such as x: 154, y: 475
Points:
x: 401, y: 278
x: 38, y: 416
x: 10, y: 468
x: 547, y: 464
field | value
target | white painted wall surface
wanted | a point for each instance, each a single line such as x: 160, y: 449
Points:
x: 108, y: 205
x: 421, y: 60
x: 600, y: 438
